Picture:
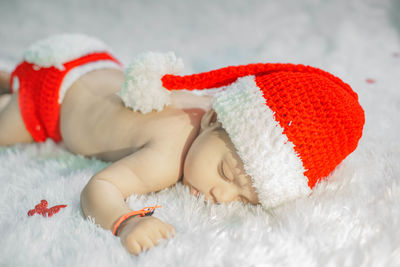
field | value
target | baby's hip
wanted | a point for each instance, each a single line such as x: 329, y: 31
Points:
x: 42, y: 91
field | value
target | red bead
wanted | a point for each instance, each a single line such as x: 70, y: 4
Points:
x: 370, y: 80
x: 31, y: 212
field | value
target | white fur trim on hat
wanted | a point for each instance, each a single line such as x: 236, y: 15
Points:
x: 59, y: 49
x: 142, y: 89
x: 267, y: 154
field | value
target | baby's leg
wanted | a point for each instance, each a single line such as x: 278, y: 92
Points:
x: 4, y: 82
x: 12, y: 127
x: 4, y: 99
x: 4, y: 89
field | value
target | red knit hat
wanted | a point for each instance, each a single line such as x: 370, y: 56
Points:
x: 290, y: 124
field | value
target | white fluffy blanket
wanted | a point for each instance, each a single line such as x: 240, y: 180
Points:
x: 352, y: 219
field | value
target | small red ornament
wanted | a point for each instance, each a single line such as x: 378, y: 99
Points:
x: 42, y: 209
x: 54, y: 210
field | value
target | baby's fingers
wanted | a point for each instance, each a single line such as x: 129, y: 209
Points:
x: 167, y: 231
x: 134, y: 248
x: 147, y: 243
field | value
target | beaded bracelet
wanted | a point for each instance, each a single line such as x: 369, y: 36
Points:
x: 147, y: 211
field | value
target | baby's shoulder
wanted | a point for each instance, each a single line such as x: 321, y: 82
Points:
x: 174, y: 125
x: 174, y: 132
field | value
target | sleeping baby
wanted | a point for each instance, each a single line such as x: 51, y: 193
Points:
x: 262, y: 134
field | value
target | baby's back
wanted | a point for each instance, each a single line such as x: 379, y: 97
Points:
x: 95, y: 122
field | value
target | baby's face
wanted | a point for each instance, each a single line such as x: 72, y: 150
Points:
x: 213, y: 168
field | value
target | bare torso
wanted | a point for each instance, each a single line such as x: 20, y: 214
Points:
x: 95, y: 122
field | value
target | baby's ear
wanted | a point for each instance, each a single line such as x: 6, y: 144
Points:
x: 209, y: 118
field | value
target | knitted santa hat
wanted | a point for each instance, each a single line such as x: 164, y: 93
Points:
x: 290, y: 124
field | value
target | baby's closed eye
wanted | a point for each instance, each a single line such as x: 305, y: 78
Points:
x: 233, y: 175
x: 226, y: 172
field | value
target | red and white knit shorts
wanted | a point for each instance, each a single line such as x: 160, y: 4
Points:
x: 42, y: 89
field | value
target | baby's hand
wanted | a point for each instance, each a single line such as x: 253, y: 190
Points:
x: 142, y: 233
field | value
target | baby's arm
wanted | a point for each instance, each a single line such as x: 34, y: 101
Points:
x: 147, y: 170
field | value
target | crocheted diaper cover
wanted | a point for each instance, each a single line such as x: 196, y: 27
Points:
x: 49, y: 68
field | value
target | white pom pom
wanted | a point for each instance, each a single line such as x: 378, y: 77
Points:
x: 142, y: 90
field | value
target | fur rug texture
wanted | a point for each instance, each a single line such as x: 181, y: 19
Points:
x: 351, y: 219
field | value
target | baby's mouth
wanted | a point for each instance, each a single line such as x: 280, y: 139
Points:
x: 194, y: 191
